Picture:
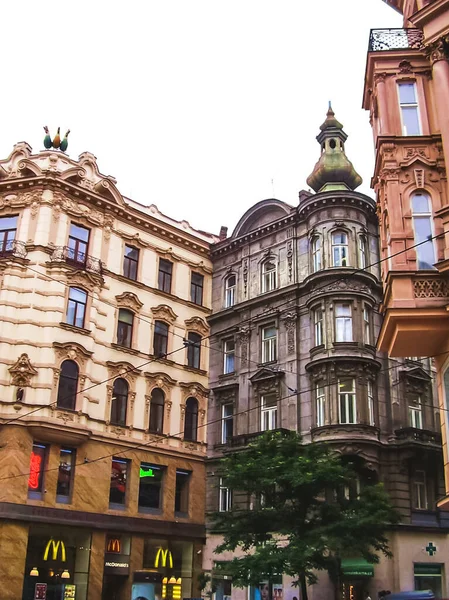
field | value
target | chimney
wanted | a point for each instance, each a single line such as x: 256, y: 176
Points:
x: 223, y: 233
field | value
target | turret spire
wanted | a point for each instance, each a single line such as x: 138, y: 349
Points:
x: 333, y: 171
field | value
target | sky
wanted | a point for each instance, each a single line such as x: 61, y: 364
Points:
x: 202, y: 107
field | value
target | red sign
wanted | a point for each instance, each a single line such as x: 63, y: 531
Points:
x: 40, y: 591
x: 35, y: 469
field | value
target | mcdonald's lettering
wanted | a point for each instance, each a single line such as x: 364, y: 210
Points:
x: 114, y: 545
x: 55, y: 545
x: 164, y: 554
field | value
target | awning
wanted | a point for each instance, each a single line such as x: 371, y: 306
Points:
x: 356, y: 567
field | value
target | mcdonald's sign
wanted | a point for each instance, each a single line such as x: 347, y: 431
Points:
x: 162, y: 555
x: 55, y: 545
x: 114, y: 545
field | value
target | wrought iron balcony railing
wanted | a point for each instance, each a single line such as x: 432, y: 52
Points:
x: 381, y: 40
x: 12, y: 248
x: 77, y: 259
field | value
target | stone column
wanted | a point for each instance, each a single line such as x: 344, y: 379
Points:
x: 440, y: 73
x: 96, y: 566
x: 13, y: 549
x: 382, y: 103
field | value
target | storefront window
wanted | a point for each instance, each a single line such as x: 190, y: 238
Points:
x: 65, y: 475
x: 37, y: 469
x: 150, y: 487
x: 173, y: 560
x: 57, y: 563
x: 117, y: 491
x: 428, y: 576
x: 262, y: 591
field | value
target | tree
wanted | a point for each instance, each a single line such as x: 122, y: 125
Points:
x: 302, y: 516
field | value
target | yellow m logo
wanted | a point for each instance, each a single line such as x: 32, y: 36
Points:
x: 55, y: 549
x: 164, y: 554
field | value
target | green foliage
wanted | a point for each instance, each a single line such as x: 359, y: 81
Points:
x: 305, y: 522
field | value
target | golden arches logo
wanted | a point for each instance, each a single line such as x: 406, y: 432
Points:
x: 164, y: 554
x: 55, y: 545
x: 114, y: 545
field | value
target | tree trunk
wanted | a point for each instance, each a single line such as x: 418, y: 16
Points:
x: 303, y: 585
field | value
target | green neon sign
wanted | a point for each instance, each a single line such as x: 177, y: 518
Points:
x: 146, y: 473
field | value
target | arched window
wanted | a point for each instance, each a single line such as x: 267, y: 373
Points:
x: 191, y: 420
x: 422, y: 226
x: 68, y: 385
x: 268, y: 276
x: 339, y: 249
x: 230, y: 291
x: 316, y: 254
x: 119, y: 402
x: 362, y: 252
x: 157, y: 411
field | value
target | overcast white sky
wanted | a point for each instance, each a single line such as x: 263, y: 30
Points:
x: 192, y: 105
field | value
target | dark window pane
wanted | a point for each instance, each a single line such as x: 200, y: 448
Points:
x: 182, y: 491
x: 130, y: 262
x: 37, y: 467
x: 76, y: 307
x: 125, y: 328
x: 165, y: 275
x: 68, y: 385
x: 65, y: 472
x: 160, y: 338
x: 119, y: 402
x: 194, y: 350
x: 150, y: 486
x: 196, y: 288
x: 119, y: 473
x: 157, y: 411
x: 78, y: 243
x: 191, y: 420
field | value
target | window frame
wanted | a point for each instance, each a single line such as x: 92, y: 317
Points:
x: 348, y: 402
x: 419, y: 491
x: 409, y: 105
x: 421, y: 216
x: 122, y: 504
x: 156, y: 414
x: 73, y: 302
x: 268, y: 413
x: 196, y: 288
x: 370, y: 400
x: 80, y: 247
x: 66, y: 498
x: 6, y: 241
x: 230, y: 291
x: 362, y: 251
x: 165, y: 276
x: 65, y: 377
x: 228, y: 356
x: 320, y: 405
x: 269, y: 344
x: 318, y: 326
x: 225, y: 420
x: 117, y: 405
x: 366, y: 315
x: 191, y: 420
x: 224, y: 496
x: 194, y: 350
x: 344, y: 319
x: 131, y: 265
x: 162, y: 470
x: 122, y: 325
x: 340, y: 250
x: 269, y: 277
x: 317, y: 254
x: 415, y: 413
x: 160, y: 338
x: 182, y: 493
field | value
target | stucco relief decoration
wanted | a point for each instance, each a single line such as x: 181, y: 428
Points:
x: 198, y: 325
x: 123, y: 369
x: 84, y: 279
x: 341, y: 286
x: 389, y: 151
x: 65, y: 416
x: 159, y: 380
x: 22, y: 371
x: 245, y: 276
x: 243, y: 335
x: 226, y: 395
x: 197, y: 391
x: 389, y: 174
x: 290, y: 260
x: 430, y: 288
x: 405, y: 67
x: 419, y: 177
x: 437, y: 51
x: 412, y: 152
x: 290, y: 326
x: 164, y: 312
x: 129, y: 300
x: 72, y: 351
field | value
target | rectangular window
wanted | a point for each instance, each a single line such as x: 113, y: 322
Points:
x: 339, y: 249
x: 415, y: 414
x: 224, y: 497
x: 370, y: 403
x: 76, y: 307
x: 343, y: 323
x: 409, y: 109
x: 320, y: 406
x: 316, y: 254
x: 230, y: 291
x: 227, y: 422
x: 125, y: 328
x: 78, y: 244
x: 182, y: 491
x: 419, y: 492
x: 229, y: 356
x: 8, y: 229
x: 119, y: 482
x: 65, y: 475
x: 269, y: 276
x: 347, y: 401
x: 160, y: 342
x: 150, y: 486
x: 362, y: 252
x: 130, y: 262
x: 269, y: 344
x: 318, y: 322
x: 193, y: 350
x: 165, y: 275
x: 38, y: 461
x: 366, y: 325
x: 268, y: 412
x: 196, y: 288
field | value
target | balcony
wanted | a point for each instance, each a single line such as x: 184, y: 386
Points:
x: 383, y: 40
x: 13, y: 248
x: 423, y: 437
x: 77, y: 259
x: 345, y: 432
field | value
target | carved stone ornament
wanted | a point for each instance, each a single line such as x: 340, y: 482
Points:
x: 159, y: 380
x: 197, y: 325
x: 290, y: 260
x: 129, y: 300
x: 22, y: 371
x: 163, y: 312
x: 243, y: 335
x: 71, y: 351
x: 290, y: 326
x: 430, y: 288
x: 194, y: 390
x: 436, y: 51
x: 84, y: 279
x: 245, y: 276
x: 123, y: 369
x: 405, y: 67
x: 419, y: 177
x: 266, y: 381
x: 227, y: 394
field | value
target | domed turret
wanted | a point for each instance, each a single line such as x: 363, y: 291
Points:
x: 333, y: 171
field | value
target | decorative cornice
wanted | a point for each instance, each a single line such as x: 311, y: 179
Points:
x: 129, y: 300
x: 198, y: 325
x: 164, y: 313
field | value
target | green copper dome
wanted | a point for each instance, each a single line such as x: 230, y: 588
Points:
x: 333, y: 171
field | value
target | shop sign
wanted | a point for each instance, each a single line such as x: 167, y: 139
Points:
x: 40, y: 591
x: 114, y: 545
x: 162, y: 555
x: 116, y: 564
x: 55, y: 545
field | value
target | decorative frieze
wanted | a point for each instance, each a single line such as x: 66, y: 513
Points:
x: 430, y: 288
x: 22, y: 371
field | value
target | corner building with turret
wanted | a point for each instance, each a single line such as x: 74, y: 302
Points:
x: 295, y: 298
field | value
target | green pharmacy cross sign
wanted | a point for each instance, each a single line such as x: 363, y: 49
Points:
x: 146, y: 473
x: 431, y: 549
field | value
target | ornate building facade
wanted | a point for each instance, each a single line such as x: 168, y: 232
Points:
x: 406, y: 92
x: 295, y: 298
x: 103, y: 386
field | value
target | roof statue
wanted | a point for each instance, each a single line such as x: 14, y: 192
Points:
x: 333, y: 171
x: 56, y: 142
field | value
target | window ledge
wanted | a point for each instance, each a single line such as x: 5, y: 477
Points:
x: 124, y: 349
x: 115, y: 506
x: 224, y: 376
x: 194, y: 370
x: 181, y: 515
x: 75, y: 329
x: 63, y: 499
x: 268, y: 363
x: 351, y: 344
x: 149, y: 511
x: 317, y: 349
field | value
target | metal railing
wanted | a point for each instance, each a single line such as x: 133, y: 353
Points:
x: 77, y: 259
x: 13, y: 248
x: 381, y: 40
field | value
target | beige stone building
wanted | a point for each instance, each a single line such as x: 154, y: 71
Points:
x: 103, y: 386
